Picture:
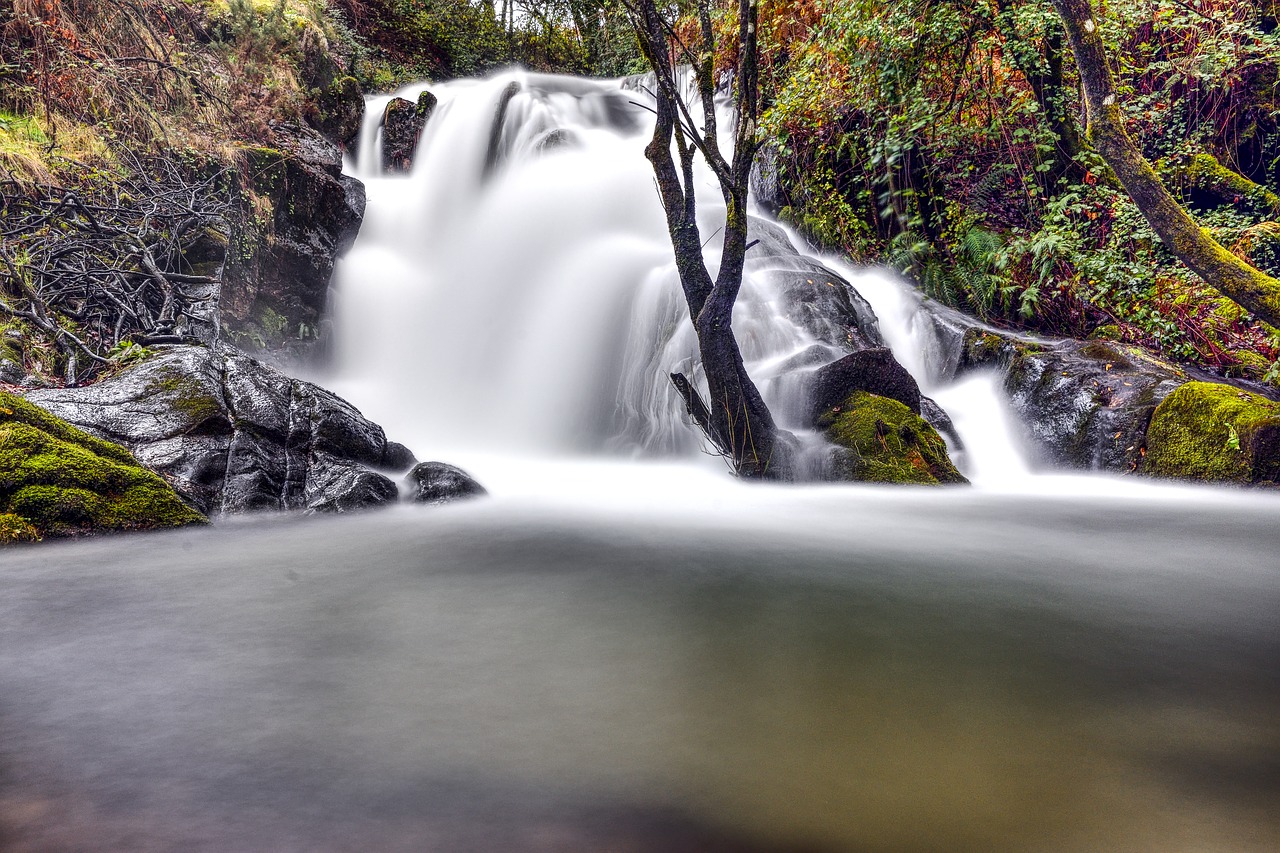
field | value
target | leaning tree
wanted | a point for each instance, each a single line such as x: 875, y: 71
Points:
x: 734, y: 416
x: 1194, y: 246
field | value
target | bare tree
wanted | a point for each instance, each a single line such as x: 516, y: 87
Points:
x: 1195, y: 247
x: 735, y: 416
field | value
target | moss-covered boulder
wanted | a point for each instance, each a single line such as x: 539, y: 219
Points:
x: 1215, y: 433
x: 880, y: 440
x: 57, y: 481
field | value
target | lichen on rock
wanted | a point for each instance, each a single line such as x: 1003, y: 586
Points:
x: 880, y: 440
x: 57, y: 481
x: 1215, y: 433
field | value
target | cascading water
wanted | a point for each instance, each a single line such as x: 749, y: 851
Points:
x: 515, y: 295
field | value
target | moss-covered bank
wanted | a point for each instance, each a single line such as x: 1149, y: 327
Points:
x: 883, y: 441
x: 58, y: 481
x: 1215, y: 433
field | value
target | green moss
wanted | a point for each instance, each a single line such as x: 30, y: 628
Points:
x: 56, y: 480
x: 887, y: 443
x: 187, y: 395
x: 1216, y: 433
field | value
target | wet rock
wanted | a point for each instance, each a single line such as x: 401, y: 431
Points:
x: 402, y: 125
x: 812, y: 296
x: 338, y: 110
x: 56, y: 480
x: 437, y: 483
x: 1082, y: 404
x: 875, y: 371
x: 397, y: 457
x: 1215, y: 433
x: 234, y: 435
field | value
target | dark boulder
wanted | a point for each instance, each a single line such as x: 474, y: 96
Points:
x: 875, y: 371
x: 402, y: 125
x: 234, y: 435
x: 437, y: 483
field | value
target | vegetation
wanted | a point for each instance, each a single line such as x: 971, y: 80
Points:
x: 947, y: 139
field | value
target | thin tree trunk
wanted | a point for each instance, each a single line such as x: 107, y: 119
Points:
x: 1255, y: 291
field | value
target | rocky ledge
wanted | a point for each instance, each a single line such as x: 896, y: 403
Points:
x: 232, y: 434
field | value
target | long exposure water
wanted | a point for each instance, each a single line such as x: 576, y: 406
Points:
x: 622, y: 648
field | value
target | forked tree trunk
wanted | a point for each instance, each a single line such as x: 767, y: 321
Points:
x: 1231, y: 276
x: 740, y: 423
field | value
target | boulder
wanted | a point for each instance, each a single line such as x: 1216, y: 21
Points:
x: 881, y: 440
x: 56, y: 480
x: 234, y: 435
x: 437, y: 483
x: 1215, y: 433
x: 875, y: 371
x: 1082, y: 404
x: 402, y: 125
x: 812, y: 296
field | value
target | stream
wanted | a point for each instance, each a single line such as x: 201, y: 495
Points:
x: 622, y: 648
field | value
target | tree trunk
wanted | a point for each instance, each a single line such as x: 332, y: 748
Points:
x: 741, y: 425
x: 1195, y: 247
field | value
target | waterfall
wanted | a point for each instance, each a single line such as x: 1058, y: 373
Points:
x: 515, y: 295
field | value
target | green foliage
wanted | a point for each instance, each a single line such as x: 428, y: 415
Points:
x: 943, y: 137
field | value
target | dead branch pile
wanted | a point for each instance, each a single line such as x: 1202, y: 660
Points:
x: 88, y: 271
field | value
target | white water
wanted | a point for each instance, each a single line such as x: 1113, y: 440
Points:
x: 524, y: 324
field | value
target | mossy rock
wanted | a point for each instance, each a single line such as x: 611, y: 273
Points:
x: 883, y: 441
x: 58, y: 481
x: 1215, y: 433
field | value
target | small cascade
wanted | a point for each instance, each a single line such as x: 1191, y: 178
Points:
x: 516, y: 292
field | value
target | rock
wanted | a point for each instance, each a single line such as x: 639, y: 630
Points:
x: 437, y: 483
x: 11, y: 372
x: 397, y: 457
x: 813, y: 297
x: 306, y: 213
x: 344, y: 486
x: 56, y: 480
x: 233, y: 435
x: 1215, y: 433
x: 880, y: 440
x: 402, y: 125
x: 1082, y: 404
x: 875, y: 371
